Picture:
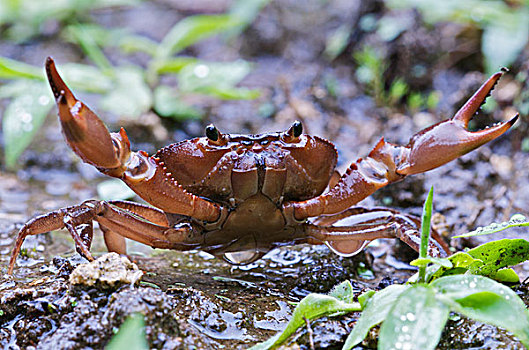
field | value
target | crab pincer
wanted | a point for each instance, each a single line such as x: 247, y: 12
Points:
x: 86, y: 134
x: 451, y: 139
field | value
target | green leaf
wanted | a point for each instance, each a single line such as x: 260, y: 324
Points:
x: 130, y: 96
x: 425, y: 233
x: 194, y: 77
x: 486, y: 300
x: 85, y: 77
x: 517, y: 220
x: 311, y: 307
x: 415, y: 321
x: 23, y: 117
x: 504, y: 40
x: 245, y: 11
x: 11, y: 69
x: 460, y: 261
x: 507, y: 276
x: 337, y: 41
x: 131, y: 335
x: 167, y: 103
x: 191, y: 30
x: 343, y: 291
x: 374, y: 312
x: 217, y: 79
x: 499, y: 254
x: 173, y: 65
x: 444, y: 262
x: 114, y: 189
x: 88, y: 42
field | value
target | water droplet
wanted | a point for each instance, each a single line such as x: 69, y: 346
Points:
x: 517, y: 219
x: 411, y: 317
x: 26, y: 117
x: 240, y: 258
x: 44, y: 100
x: 507, y: 297
x: 398, y: 345
x: 405, y: 329
x: 403, y: 318
x: 479, y: 230
x: 201, y: 71
x: 472, y: 285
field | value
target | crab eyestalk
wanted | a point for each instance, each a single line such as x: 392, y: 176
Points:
x: 451, y: 139
x: 84, y: 131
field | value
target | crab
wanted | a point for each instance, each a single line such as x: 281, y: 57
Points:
x: 239, y: 196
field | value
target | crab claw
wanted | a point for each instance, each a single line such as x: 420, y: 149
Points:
x: 450, y: 139
x: 84, y: 131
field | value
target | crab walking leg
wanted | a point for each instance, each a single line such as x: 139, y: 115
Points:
x: 119, y: 222
x: 387, y: 163
x: 110, y: 153
x: 348, y: 232
x: 116, y: 242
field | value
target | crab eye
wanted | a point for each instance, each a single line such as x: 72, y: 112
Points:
x: 212, y: 133
x: 297, y: 128
x: 294, y: 132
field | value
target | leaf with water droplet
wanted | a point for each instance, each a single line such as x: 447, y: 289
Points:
x: 217, y: 79
x: 486, y: 300
x: 517, y: 220
x: 374, y: 312
x: 23, y: 117
x: 415, y: 321
x: 311, y: 307
x: 499, y: 254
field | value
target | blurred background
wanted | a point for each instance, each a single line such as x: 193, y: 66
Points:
x: 352, y: 71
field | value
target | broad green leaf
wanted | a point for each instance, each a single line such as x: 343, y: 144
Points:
x: 11, y: 69
x: 191, y: 30
x: 130, y: 97
x: 499, y: 254
x: 167, y: 103
x: 486, y: 300
x: 444, y: 262
x: 415, y: 321
x: 194, y: 77
x: 23, y: 117
x: 131, y: 335
x: 374, y: 312
x: 507, y: 276
x: 343, y: 291
x: 217, y: 79
x: 517, y: 220
x: 311, y: 307
x: 114, y: 189
x: 460, y: 261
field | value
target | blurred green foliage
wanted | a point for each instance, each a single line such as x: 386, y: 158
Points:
x: 127, y: 90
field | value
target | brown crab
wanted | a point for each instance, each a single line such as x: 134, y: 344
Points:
x: 238, y: 196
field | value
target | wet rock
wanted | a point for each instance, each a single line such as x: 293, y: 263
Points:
x: 109, y: 271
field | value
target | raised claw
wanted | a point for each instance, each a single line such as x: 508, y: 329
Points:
x: 84, y: 131
x: 450, y: 139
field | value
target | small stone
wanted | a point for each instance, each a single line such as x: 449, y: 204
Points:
x: 109, y: 271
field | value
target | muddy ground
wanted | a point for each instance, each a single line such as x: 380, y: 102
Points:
x: 191, y: 300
